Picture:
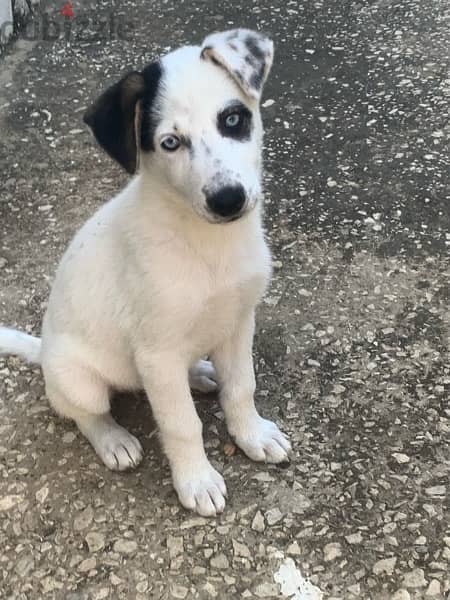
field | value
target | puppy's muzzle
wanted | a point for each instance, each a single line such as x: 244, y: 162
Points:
x: 227, y: 202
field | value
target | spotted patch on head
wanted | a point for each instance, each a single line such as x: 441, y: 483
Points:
x: 245, y: 55
x: 254, y: 48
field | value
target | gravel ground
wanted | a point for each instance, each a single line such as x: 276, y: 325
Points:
x: 352, y: 350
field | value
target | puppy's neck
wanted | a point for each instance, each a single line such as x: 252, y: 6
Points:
x: 165, y: 209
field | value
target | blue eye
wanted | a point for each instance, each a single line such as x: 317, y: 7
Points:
x: 170, y: 143
x: 233, y: 120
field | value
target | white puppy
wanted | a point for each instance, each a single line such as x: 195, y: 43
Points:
x: 172, y: 268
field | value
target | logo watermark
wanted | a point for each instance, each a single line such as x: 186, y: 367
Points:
x: 78, y: 28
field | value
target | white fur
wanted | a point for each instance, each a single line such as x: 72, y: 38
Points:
x: 149, y: 286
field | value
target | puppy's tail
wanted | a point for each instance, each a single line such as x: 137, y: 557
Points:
x: 27, y: 346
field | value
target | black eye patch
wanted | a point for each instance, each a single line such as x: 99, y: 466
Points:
x: 235, y: 122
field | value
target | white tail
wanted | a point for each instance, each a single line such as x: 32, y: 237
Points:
x: 27, y: 346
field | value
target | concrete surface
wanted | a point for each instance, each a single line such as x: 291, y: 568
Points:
x: 352, y: 351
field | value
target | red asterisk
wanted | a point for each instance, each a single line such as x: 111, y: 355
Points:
x: 67, y: 10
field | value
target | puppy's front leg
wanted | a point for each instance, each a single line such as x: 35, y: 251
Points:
x: 199, y: 486
x: 259, y: 438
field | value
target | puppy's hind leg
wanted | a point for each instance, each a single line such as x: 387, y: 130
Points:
x: 202, y: 377
x: 81, y: 394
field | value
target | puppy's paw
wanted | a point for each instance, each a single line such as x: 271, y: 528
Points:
x: 261, y: 440
x: 200, y: 488
x: 119, y: 450
x: 202, y: 377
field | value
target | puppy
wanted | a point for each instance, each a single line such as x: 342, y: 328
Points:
x: 172, y: 268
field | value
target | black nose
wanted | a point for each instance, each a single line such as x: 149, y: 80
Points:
x: 227, y: 202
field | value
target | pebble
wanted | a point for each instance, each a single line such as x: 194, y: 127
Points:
x: 354, y: 538
x: 434, y: 589
x: 402, y: 459
x: 87, y: 565
x: 258, y: 523
x: 125, y: 546
x: 273, y: 516
x: 401, y: 595
x: 3, y: 262
x: 175, y: 546
x: 436, y: 490
x: 95, y: 541
x: 41, y: 495
x: 84, y: 519
x: 240, y: 549
x: 293, y: 549
x: 7, y: 502
x: 332, y: 551
x: 220, y: 561
x: 385, y: 565
x: 179, y: 591
x: 415, y: 579
x: 266, y: 590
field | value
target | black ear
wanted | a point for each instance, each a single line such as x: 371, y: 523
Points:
x: 112, y: 119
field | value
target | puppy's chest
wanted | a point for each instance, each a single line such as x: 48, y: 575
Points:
x: 207, y: 299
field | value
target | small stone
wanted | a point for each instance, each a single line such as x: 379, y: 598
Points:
x: 175, y: 546
x: 436, y: 490
x: 194, y: 522
x: 142, y: 587
x: 293, y: 549
x: 385, y: 565
x: 355, y: 589
x: 7, y: 502
x: 125, y: 546
x: 354, y: 538
x: 220, y: 561
x: 84, y: 519
x: 273, y: 516
x: 179, y: 591
x: 263, y: 476
x: 41, y: 495
x: 229, y: 449
x: 266, y: 590
x: 332, y: 551
x: 69, y: 437
x: 114, y: 579
x: 402, y: 459
x: 24, y: 565
x: 210, y: 589
x: 421, y: 540
x: 258, y: 523
x: 240, y: 549
x: 415, y: 579
x: 401, y: 595
x: 87, y: 565
x: 95, y: 541
x: 434, y: 589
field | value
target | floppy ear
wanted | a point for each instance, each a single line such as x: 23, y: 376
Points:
x: 113, y: 119
x: 246, y: 56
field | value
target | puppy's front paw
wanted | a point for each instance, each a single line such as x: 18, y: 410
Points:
x: 200, y: 488
x: 261, y: 440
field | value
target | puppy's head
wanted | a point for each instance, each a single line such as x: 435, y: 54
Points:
x: 192, y: 120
